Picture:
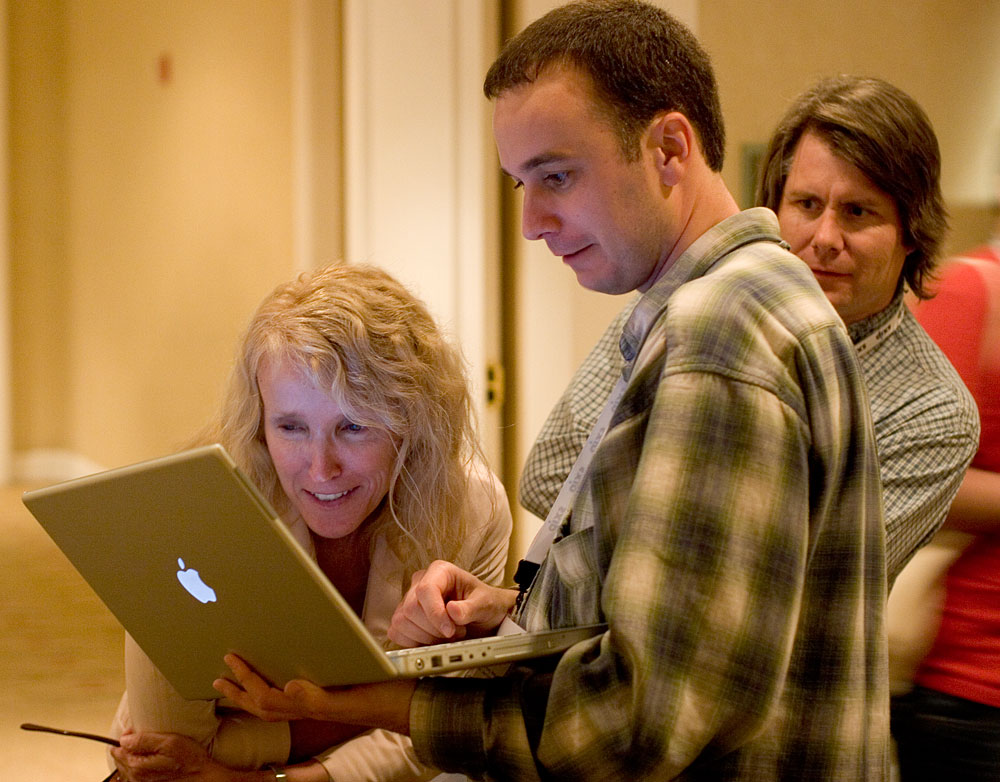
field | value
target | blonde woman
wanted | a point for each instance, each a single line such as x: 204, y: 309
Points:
x: 350, y: 410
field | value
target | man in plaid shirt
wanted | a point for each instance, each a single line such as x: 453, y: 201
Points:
x: 864, y: 210
x: 728, y: 528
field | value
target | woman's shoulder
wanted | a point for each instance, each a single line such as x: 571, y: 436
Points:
x: 487, y: 505
x: 482, y: 549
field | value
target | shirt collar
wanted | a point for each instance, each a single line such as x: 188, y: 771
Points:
x: 873, y: 323
x: 751, y: 225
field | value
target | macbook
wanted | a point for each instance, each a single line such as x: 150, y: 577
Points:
x: 195, y: 564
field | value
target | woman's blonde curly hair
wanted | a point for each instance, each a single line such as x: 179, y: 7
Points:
x: 367, y: 341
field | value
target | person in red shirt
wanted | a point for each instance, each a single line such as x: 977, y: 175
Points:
x: 948, y: 725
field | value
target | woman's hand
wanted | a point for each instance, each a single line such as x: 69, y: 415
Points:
x: 169, y: 757
x: 380, y: 705
x: 446, y: 603
x: 166, y: 757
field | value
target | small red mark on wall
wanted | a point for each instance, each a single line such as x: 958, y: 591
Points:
x: 165, y: 69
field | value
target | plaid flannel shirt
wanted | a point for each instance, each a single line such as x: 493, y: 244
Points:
x: 926, y: 427
x: 730, y: 533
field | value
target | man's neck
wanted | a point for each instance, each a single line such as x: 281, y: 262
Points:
x: 709, y: 204
x: 716, y: 204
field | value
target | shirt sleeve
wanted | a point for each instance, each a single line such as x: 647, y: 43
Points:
x: 376, y: 756
x: 923, y: 465
x: 956, y: 319
x: 921, y: 470
x: 569, y: 423
x: 701, y: 597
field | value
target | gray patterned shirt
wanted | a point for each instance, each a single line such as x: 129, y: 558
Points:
x: 729, y: 532
x: 926, y: 429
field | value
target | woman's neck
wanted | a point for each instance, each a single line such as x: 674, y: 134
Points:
x: 346, y: 562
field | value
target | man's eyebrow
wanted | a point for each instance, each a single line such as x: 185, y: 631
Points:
x: 867, y: 201
x: 864, y: 201
x: 800, y: 192
x: 538, y: 160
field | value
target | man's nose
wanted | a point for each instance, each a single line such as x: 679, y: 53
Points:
x: 828, y: 238
x: 537, y: 217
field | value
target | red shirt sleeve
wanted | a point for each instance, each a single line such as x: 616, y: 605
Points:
x: 956, y: 319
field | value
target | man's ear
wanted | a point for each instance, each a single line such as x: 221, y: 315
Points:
x: 672, y: 139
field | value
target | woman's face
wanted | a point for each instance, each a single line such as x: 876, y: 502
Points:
x: 334, y: 472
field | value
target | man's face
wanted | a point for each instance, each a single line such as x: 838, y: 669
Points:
x: 845, y: 227
x: 606, y: 217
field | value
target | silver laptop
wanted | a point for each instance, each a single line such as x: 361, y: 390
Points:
x: 194, y: 563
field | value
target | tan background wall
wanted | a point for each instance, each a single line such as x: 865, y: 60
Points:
x: 943, y: 52
x: 152, y: 193
x: 149, y: 217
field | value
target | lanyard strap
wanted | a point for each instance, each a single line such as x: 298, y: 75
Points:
x: 883, y: 331
x: 527, y: 568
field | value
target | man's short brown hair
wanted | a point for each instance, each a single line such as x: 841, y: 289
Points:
x: 641, y: 60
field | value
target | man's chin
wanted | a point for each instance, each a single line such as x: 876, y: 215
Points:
x: 599, y: 284
x: 841, y: 303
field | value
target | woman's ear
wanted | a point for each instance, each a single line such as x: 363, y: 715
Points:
x: 672, y: 140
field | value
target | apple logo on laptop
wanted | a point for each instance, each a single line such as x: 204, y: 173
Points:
x: 191, y: 581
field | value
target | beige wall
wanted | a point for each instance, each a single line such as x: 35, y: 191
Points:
x: 38, y: 264
x: 151, y: 212
x: 943, y: 52
x: 148, y: 218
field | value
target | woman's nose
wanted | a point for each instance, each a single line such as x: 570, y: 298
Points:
x: 325, y: 463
